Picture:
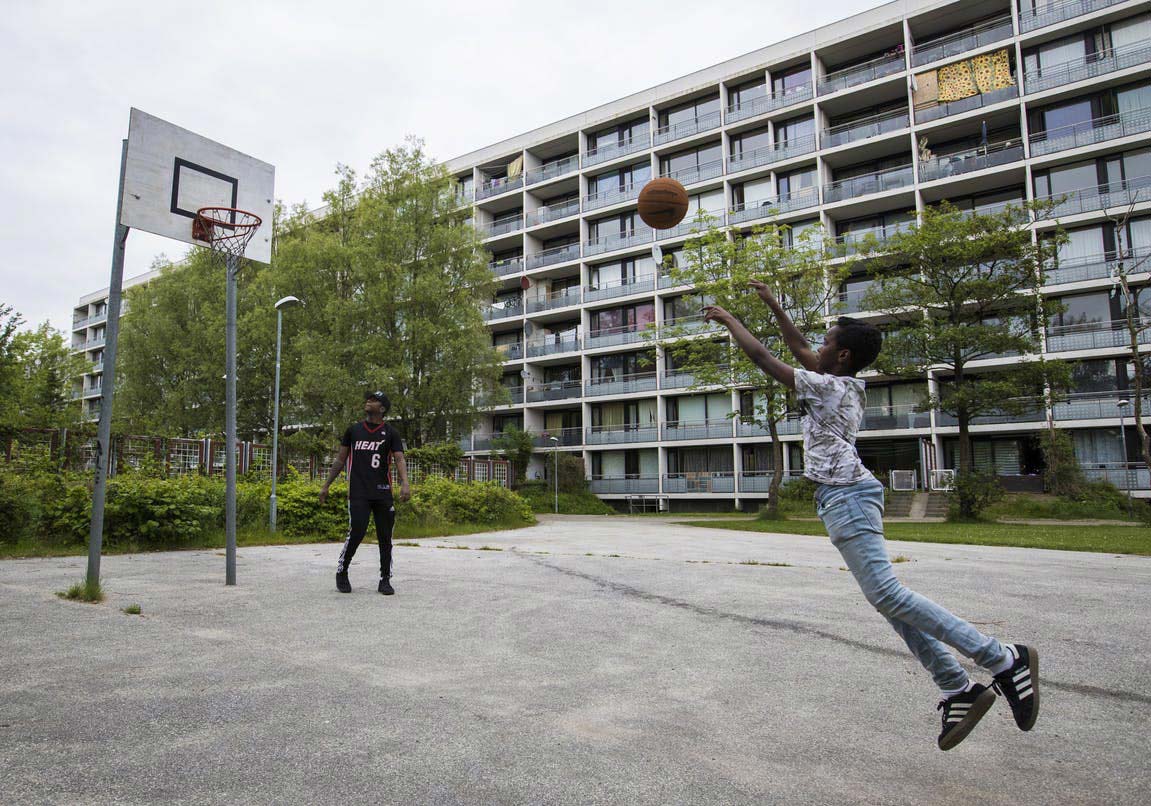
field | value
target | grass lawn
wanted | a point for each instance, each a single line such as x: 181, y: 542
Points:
x: 1106, y: 539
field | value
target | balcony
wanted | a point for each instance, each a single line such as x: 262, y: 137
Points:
x: 1095, y: 406
x: 954, y: 44
x: 511, y: 352
x: 1102, y: 266
x: 616, y: 485
x: 1035, y: 18
x: 497, y: 228
x: 1085, y: 200
x: 852, y: 242
x: 552, y: 212
x: 768, y: 154
x: 867, y: 184
x: 786, y: 426
x: 700, y: 482
x: 565, y: 438
x: 511, y: 265
x: 687, y: 227
x: 925, y: 113
x: 618, y: 240
x: 768, y: 103
x: 503, y: 310
x: 553, y: 346
x: 494, y: 187
x: 1092, y: 336
x: 861, y: 129
x: 620, y: 385
x: 554, y: 390
x: 852, y: 301
x: 609, y: 152
x: 97, y: 367
x: 1109, y: 127
x: 594, y: 201
x: 976, y: 158
x: 621, y: 434
x: 687, y: 326
x: 620, y: 288
x: 549, y: 257
x: 860, y: 74
x: 686, y: 128
x: 697, y: 429
x: 515, y: 397
x: 1092, y: 66
x: 556, y: 299
x: 1036, y: 413
x: 1124, y: 476
x: 550, y: 170
x: 888, y: 418
x: 696, y: 173
x: 799, y: 200
x: 92, y: 344
x: 624, y: 334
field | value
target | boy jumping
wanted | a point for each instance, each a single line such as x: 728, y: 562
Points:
x: 849, y: 501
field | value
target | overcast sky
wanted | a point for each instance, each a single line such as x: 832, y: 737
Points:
x: 305, y: 86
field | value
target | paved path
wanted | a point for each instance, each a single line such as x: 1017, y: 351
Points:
x: 552, y: 672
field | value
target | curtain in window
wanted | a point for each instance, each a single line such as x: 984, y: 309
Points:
x: 1098, y: 446
x: 1131, y: 32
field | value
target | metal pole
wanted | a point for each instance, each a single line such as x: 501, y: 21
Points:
x: 232, y: 265
x: 556, y: 469
x: 276, y: 420
x: 1126, y: 468
x: 107, y: 383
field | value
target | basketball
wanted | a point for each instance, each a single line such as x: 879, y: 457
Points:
x: 662, y: 203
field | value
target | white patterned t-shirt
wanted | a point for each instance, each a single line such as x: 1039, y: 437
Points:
x: 832, y: 413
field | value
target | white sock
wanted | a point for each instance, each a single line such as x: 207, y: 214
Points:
x: 1005, y: 664
x: 948, y: 693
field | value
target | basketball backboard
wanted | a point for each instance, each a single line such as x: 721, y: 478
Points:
x: 170, y: 173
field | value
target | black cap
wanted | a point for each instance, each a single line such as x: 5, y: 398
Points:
x: 379, y: 397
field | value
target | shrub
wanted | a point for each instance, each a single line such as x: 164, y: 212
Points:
x: 798, y: 489
x: 165, y: 511
x: 541, y: 498
x: 1064, y: 476
x: 484, y: 503
x: 19, y: 508
x: 299, y: 512
x: 973, y: 494
x: 442, y: 456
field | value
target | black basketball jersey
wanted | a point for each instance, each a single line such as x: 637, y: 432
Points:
x: 370, y: 448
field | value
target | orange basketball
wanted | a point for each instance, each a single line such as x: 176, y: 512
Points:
x: 662, y: 203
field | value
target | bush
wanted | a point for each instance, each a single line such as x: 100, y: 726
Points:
x: 19, y: 508
x: 798, y: 489
x: 299, y: 512
x: 973, y: 494
x: 1064, y: 476
x: 541, y: 498
x: 163, y: 511
x: 483, y: 503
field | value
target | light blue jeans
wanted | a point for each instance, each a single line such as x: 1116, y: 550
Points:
x: 853, y: 515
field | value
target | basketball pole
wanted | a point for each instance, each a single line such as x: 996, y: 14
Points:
x: 232, y: 265
x: 108, y: 384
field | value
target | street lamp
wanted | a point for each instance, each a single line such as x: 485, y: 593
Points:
x: 286, y: 302
x: 1122, y: 406
x: 556, y: 469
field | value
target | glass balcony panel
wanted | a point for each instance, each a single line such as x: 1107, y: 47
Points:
x: 887, y: 418
x: 960, y: 42
x: 552, y: 212
x: 769, y: 154
x: 977, y: 158
x: 609, y: 485
x: 564, y: 438
x: 864, y: 128
x: 1031, y: 19
x: 1096, y: 64
x: 568, y: 344
x: 556, y: 299
x: 554, y: 390
x: 550, y: 170
x: 618, y: 240
x: 612, y: 336
x: 495, y: 187
x: 1093, y: 267
x: 1131, y: 476
x: 860, y: 74
x: 594, y: 201
x: 696, y: 173
x: 511, y: 265
x: 549, y: 257
x: 1109, y: 127
x: 620, y: 288
x: 609, y: 152
x: 1092, y: 336
x: 621, y: 434
x: 697, y: 429
x: 925, y: 113
x: 1116, y: 194
x: 699, y: 482
x: 799, y: 200
x: 879, y: 182
x: 768, y: 103
x: 686, y: 128
x: 637, y: 382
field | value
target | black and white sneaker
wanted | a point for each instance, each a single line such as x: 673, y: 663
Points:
x: 962, y: 712
x: 1020, y: 685
x: 342, y: 584
x: 385, y: 587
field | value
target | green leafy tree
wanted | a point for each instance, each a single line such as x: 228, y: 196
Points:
x: 10, y: 322
x: 1137, y: 321
x: 796, y: 269
x: 517, y: 447
x: 960, y: 288
x: 37, y: 372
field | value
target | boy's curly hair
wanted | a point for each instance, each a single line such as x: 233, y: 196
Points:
x: 863, y: 340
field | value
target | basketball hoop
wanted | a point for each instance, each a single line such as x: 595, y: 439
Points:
x: 226, y: 230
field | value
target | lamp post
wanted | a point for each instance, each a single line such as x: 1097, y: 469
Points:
x: 286, y: 302
x: 556, y: 470
x: 1122, y: 406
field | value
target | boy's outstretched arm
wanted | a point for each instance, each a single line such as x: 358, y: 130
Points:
x: 791, y: 335
x: 754, y: 348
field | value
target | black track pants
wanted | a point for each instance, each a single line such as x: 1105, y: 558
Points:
x: 359, y: 511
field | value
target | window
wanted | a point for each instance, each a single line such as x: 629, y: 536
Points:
x: 621, y: 366
x: 750, y: 141
x: 689, y: 113
x: 790, y: 80
x: 796, y: 181
x: 1086, y: 310
x: 621, y: 179
x: 622, y: 272
x: 623, y: 134
x: 686, y: 160
x: 747, y: 92
x: 626, y: 320
x: 795, y: 131
x: 753, y: 193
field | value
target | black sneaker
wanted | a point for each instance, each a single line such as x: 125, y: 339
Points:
x: 1020, y: 685
x: 962, y: 712
x: 342, y: 584
x: 386, y: 587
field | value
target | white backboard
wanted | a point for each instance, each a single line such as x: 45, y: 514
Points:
x: 171, y: 173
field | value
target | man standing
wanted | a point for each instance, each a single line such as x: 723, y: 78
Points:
x: 365, y: 451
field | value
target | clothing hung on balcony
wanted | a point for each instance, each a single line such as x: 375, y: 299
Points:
x: 992, y: 71
x: 956, y: 82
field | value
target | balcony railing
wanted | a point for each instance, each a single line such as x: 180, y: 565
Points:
x: 558, y: 254
x: 594, y: 201
x: 798, y: 200
x: 1085, y: 67
x: 860, y: 74
x: 1125, y: 476
x: 716, y: 481
x: 620, y: 434
x: 768, y: 103
x: 687, y: 326
x: 697, y: 429
x: 564, y: 437
x: 618, y: 240
x: 1116, y: 194
x: 677, y: 380
x: 1096, y: 267
x: 934, y: 110
x: 954, y: 44
x: 785, y: 427
x: 624, y: 384
x: 1089, y: 132
x: 1033, y: 18
x: 616, y: 485
x: 553, y: 212
x: 510, y: 265
x: 556, y: 299
x: 696, y: 173
x: 511, y: 352
x: 494, y: 187
x: 550, y: 170
x: 863, y: 128
x: 624, y: 334
x: 976, y: 158
x: 684, y: 228
x: 503, y: 310
x: 768, y: 154
x: 1092, y: 336
x: 1035, y: 413
x: 552, y: 346
x: 852, y: 242
x: 620, y: 288
x: 888, y: 418
x: 1094, y: 406
x: 503, y: 227
x: 852, y: 301
x: 878, y: 182
x: 686, y: 128
x: 595, y: 156
x: 515, y: 396
x: 93, y: 344
x: 554, y: 390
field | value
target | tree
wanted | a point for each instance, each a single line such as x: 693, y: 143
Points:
x: 958, y: 288
x: 720, y: 267
x: 517, y: 447
x: 10, y: 322
x: 37, y: 370
x: 1137, y: 320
